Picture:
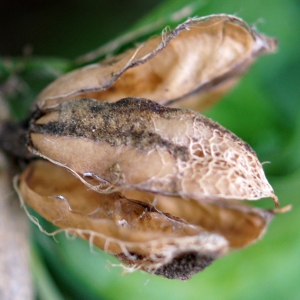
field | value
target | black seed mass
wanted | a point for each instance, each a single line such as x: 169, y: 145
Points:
x: 185, y: 266
x: 182, y: 267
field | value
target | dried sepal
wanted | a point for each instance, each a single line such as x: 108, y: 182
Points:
x: 190, y: 66
x: 136, y: 232
x: 140, y: 145
x: 140, y: 233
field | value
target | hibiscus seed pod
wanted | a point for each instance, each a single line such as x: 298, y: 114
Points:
x: 158, y: 187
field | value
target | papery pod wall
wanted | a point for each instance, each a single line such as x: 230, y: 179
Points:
x: 150, y: 183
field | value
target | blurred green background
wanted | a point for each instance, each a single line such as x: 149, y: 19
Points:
x: 41, y: 39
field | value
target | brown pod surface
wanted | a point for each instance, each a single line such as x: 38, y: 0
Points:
x: 159, y: 187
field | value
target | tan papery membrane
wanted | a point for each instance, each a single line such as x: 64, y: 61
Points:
x: 190, y: 66
x: 139, y: 144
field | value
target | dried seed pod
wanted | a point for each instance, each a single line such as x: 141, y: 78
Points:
x: 153, y: 185
x: 137, y: 144
x: 140, y: 234
x: 190, y: 66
